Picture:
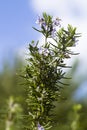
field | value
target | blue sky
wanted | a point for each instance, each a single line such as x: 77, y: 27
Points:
x: 18, y: 16
x: 16, y: 21
x: 81, y: 93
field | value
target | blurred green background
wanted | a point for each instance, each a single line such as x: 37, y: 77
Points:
x: 11, y: 84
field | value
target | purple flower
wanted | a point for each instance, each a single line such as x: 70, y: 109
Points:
x: 53, y: 33
x: 44, y: 25
x: 56, y: 22
x: 50, y: 28
x: 40, y: 127
x: 40, y: 21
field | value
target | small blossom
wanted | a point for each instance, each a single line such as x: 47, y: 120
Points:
x: 40, y: 21
x: 51, y: 27
x: 40, y: 127
x: 56, y: 22
x: 53, y: 33
x: 44, y: 25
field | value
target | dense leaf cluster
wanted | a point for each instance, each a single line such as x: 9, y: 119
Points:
x: 44, y: 71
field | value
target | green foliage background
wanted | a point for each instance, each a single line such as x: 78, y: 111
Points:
x: 10, y: 85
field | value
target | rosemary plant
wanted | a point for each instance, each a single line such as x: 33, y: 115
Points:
x: 44, y: 71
